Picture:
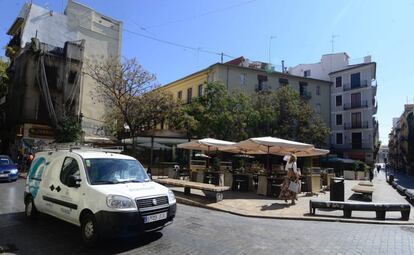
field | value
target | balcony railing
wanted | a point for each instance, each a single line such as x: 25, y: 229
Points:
x: 349, y: 145
x: 362, y: 104
x: 262, y: 87
x: 375, y: 109
x: 357, y: 125
x: 362, y: 84
x: 307, y: 95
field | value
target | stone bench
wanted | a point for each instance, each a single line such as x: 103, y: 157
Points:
x: 365, y: 190
x: 410, y: 194
x: 347, y: 208
x: 369, y: 184
x: 401, y: 189
x: 212, y: 191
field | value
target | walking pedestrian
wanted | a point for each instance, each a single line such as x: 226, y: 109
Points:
x: 371, y: 174
x: 291, y: 184
x: 29, y: 161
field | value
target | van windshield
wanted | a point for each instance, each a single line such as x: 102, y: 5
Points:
x: 113, y: 171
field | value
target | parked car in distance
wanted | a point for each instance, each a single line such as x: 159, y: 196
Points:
x: 8, y: 170
x: 104, y: 193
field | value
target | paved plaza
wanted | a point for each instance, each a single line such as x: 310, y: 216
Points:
x: 250, y: 204
x: 201, y: 231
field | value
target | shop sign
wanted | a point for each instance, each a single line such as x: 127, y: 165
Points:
x: 40, y: 132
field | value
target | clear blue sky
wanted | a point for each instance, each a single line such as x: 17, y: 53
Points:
x: 303, y: 31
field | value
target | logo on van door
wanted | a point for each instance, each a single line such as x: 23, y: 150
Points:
x: 35, y: 175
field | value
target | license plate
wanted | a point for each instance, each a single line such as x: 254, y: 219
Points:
x: 155, y: 217
x: 4, y: 175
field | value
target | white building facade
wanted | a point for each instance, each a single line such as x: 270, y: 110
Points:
x: 102, y: 39
x: 354, y: 129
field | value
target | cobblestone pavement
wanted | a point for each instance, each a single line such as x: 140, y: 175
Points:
x: 201, y: 231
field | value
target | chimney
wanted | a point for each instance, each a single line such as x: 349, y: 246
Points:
x: 367, y: 59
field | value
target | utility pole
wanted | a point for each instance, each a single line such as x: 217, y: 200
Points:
x: 270, y: 46
x: 221, y: 55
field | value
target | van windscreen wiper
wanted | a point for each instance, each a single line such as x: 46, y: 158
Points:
x: 105, y: 182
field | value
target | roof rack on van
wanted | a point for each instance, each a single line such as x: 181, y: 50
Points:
x: 83, y: 147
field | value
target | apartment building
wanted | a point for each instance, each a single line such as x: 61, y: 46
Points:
x: 401, y: 141
x: 354, y: 128
x: 47, y: 52
x: 243, y: 75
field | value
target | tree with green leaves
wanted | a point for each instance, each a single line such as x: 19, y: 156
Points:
x: 220, y: 115
x: 4, y: 79
x: 285, y: 114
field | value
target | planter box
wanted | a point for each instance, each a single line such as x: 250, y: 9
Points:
x: 360, y: 175
x: 349, y: 175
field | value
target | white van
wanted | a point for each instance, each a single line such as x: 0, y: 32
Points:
x: 104, y: 193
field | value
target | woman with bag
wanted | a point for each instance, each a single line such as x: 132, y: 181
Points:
x: 291, y: 184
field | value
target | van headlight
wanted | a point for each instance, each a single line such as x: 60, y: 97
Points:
x: 13, y: 171
x: 119, y: 202
x: 171, y: 197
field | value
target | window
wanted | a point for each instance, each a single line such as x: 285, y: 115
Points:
x: 318, y: 90
x: 200, y: 90
x: 242, y: 79
x: 356, y: 140
x: 70, y: 167
x: 339, y: 138
x: 189, y: 95
x: 356, y: 120
x: 303, y: 87
x: 338, y: 100
x: 261, y: 82
x: 306, y: 73
x: 339, y: 119
x: 283, y: 81
x: 72, y: 77
x: 356, y: 100
x: 318, y: 108
x: 355, y: 80
x: 338, y: 81
x: 180, y: 95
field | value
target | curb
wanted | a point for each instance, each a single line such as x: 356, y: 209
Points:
x: 190, y: 202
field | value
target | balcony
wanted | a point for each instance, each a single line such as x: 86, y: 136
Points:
x: 264, y: 87
x: 362, y: 84
x: 357, y: 125
x: 362, y: 104
x: 375, y: 109
x: 307, y: 95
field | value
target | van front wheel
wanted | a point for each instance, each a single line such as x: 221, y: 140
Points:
x: 89, y: 230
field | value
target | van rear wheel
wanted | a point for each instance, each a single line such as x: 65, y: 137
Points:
x: 89, y: 230
x: 30, y: 208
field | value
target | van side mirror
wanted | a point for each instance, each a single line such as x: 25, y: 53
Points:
x: 73, y: 181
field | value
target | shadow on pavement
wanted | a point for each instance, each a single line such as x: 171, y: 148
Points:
x: 359, y: 197
x: 275, y: 206
x: 47, y: 235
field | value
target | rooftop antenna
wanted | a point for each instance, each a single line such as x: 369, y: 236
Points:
x: 333, y: 42
x: 270, y: 46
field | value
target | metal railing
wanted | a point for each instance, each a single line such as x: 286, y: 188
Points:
x: 262, y: 87
x: 362, y: 104
x: 362, y: 84
x: 307, y: 95
x: 357, y: 125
